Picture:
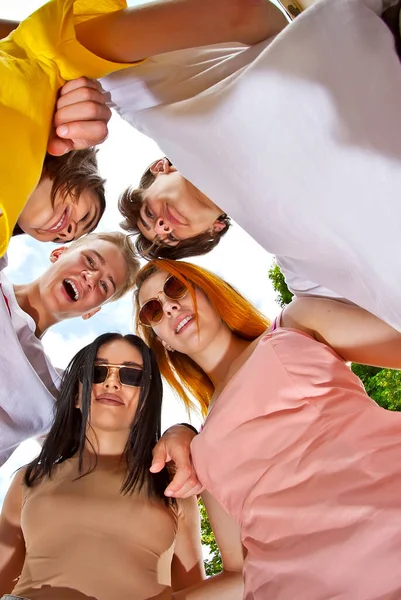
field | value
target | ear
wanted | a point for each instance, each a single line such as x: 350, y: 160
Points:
x: 56, y: 253
x: 91, y: 313
x: 218, y: 226
x: 161, y: 166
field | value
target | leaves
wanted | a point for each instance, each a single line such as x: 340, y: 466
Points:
x: 213, y: 564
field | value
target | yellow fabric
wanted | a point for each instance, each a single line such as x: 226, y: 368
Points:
x: 35, y: 61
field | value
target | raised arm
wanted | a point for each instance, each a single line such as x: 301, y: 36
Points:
x: 12, y: 545
x: 355, y: 334
x: 145, y: 30
x: 227, y: 585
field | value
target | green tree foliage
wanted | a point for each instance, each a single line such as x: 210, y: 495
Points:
x: 284, y: 296
x: 213, y: 564
x: 383, y: 385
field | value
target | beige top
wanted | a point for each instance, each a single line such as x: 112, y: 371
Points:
x: 85, y: 540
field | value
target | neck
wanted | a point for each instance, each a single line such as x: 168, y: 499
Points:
x: 220, y: 359
x: 106, y: 443
x: 30, y: 301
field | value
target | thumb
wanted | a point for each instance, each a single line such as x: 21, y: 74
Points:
x: 57, y: 147
x: 159, y: 459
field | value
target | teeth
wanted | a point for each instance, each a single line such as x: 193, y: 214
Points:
x: 183, y: 322
x: 59, y: 223
x: 74, y: 287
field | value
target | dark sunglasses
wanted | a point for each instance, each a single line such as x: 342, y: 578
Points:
x: 127, y: 375
x: 151, y: 312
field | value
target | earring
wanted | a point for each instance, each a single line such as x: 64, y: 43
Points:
x: 167, y: 347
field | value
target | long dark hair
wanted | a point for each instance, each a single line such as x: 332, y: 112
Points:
x: 67, y: 436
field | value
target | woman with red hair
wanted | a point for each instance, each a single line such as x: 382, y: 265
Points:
x: 292, y: 446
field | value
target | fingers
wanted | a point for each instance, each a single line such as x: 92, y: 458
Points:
x: 83, y: 133
x: 75, y: 84
x: 159, y: 458
x: 184, y: 484
x: 81, y: 110
x: 81, y: 117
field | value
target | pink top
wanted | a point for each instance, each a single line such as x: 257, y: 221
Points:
x: 310, y: 467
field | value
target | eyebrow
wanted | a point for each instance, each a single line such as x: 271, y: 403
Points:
x: 103, y: 262
x: 126, y: 363
x: 92, y: 223
x: 146, y: 225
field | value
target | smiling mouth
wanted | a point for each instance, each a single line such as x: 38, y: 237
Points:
x: 61, y: 223
x: 173, y: 219
x: 182, y: 323
x: 71, y: 289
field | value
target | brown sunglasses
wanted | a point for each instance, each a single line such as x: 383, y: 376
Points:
x: 151, y: 312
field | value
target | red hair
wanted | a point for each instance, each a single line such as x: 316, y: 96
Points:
x: 244, y: 320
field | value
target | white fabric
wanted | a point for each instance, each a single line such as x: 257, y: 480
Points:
x: 298, y: 139
x: 26, y: 396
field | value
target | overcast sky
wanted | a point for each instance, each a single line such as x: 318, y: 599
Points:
x: 122, y: 159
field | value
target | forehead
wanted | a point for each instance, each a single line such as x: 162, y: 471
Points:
x: 111, y: 254
x: 152, y: 285
x: 119, y: 351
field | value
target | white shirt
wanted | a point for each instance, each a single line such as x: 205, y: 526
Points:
x: 298, y: 139
x: 28, y: 380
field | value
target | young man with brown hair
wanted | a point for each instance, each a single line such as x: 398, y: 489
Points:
x: 171, y: 217
x: 68, y: 201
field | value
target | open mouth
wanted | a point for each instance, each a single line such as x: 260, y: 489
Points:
x: 184, y: 322
x: 71, y: 289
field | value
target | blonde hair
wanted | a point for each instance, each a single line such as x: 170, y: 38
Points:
x: 244, y: 320
x: 126, y: 247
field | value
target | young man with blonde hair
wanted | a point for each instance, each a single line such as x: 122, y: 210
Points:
x: 96, y: 269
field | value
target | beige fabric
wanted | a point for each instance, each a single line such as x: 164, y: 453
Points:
x: 85, y: 540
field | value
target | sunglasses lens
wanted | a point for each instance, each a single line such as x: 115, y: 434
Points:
x: 151, y: 312
x: 174, y: 288
x: 130, y: 376
x: 99, y: 373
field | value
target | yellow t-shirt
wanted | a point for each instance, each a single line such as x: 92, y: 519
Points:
x: 35, y: 61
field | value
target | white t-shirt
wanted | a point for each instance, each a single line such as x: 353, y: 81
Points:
x: 28, y: 380
x: 298, y: 139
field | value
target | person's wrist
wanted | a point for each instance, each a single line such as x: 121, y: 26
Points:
x: 191, y: 427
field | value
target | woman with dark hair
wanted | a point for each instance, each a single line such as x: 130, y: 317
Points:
x: 86, y: 518
x: 292, y: 447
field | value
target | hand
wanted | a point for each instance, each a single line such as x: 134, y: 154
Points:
x: 81, y: 117
x: 174, y: 445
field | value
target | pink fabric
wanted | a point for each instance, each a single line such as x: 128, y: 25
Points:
x: 310, y: 467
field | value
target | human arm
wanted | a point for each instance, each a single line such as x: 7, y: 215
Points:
x: 355, y: 334
x: 227, y: 585
x: 12, y: 545
x: 164, y: 26
x: 174, y: 446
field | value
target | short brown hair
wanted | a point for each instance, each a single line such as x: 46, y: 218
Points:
x: 75, y: 172
x: 125, y: 245
x: 130, y: 203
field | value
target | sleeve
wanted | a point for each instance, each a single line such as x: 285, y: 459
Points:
x: 35, y: 61
x: 300, y: 286
x: 49, y: 33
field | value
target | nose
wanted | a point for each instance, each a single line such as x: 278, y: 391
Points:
x: 90, y: 278
x: 112, y: 381
x: 169, y: 306
x: 68, y: 234
x: 162, y: 227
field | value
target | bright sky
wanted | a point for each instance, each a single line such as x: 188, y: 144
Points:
x: 122, y: 159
